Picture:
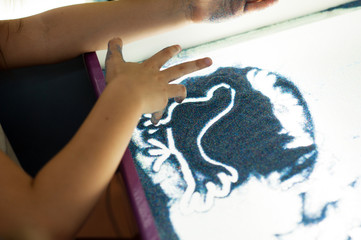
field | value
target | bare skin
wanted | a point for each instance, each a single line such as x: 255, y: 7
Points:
x: 70, y: 31
x: 59, y: 198
x: 201, y: 10
x: 57, y: 201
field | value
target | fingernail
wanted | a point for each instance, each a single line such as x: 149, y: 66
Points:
x: 208, y: 61
x: 179, y: 48
x: 154, y: 120
x: 179, y: 99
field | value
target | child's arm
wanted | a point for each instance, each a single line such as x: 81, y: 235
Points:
x: 60, y: 197
x: 67, y: 32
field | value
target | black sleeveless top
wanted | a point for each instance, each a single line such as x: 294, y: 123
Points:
x: 42, y: 108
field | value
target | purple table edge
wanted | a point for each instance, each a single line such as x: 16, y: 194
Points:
x: 141, y: 209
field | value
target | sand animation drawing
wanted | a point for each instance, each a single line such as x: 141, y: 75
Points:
x: 235, y: 123
x: 267, y: 144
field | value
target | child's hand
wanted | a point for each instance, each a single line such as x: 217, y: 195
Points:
x: 145, y: 82
x: 203, y: 10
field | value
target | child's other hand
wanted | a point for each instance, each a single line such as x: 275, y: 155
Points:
x: 211, y: 10
x: 145, y: 82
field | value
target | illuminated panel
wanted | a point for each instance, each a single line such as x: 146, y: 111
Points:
x: 266, y: 145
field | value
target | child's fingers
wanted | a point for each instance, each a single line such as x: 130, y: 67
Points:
x: 114, y: 57
x: 115, y: 47
x: 156, y: 117
x: 176, y: 91
x: 160, y: 58
x: 182, y: 69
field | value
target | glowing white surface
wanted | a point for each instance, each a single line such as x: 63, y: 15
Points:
x: 194, y: 35
x: 323, y: 59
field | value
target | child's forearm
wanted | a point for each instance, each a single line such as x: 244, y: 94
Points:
x: 66, y: 32
x: 94, y: 24
x: 59, y: 199
x: 80, y: 172
x: 72, y: 181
